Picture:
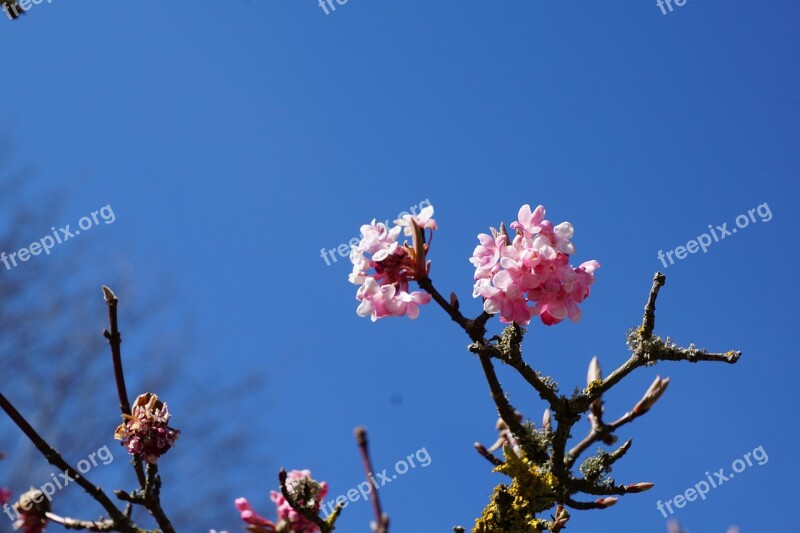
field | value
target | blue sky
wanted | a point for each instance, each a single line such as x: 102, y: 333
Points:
x: 235, y: 140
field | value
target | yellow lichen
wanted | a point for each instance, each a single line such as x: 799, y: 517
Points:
x: 514, y: 507
x: 592, y: 387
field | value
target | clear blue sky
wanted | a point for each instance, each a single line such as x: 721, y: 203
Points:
x: 236, y: 139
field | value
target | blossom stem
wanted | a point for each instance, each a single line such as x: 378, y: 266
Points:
x: 475, y: 328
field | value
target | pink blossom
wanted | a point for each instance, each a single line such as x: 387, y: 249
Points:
x: 378, y: 240
x: 408, y: 303
x: 146, y: 431
x: 384, y: 269
x: 258, y: 524
x: 380, y: 301
x: 528, y: 222
x: 424, y: 220
x: 299, y: 485
x: 486, y: 257
x: 5, y: 496
x: 532, y: 276
x: 552, y: 240
x: 506, y: 298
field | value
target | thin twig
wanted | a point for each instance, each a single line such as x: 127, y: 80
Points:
x: 87, y: 525
x: 115, y: 340
x: 381, y: 518
x: 152, y: 494
x: 486, y: 454
x: 649, y: 318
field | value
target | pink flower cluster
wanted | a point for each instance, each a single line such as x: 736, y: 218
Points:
x: 146, y: 431
x: 289, y: 519
x: 383, y: 267
x: 531, y: 275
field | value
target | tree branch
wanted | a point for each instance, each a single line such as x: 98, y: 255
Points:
x: 88, y: 525
x: 115, y: 340
x: 122, y: 523
x: 381, y: 518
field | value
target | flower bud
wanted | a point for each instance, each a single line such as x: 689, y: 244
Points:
x: 651, y: 396
x: 605, y: 503
x: 454, y: 301
x: 561, y: 513
x: 594, y: 373
x: 546, y: 420
x: 634, y: 488
x: 561, y: 518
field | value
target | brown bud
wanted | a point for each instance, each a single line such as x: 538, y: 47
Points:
x: 454, y: 301
x: 108, y: 294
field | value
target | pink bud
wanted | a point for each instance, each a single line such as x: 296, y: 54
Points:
x: 639, y: 487
x: 604, y: 503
